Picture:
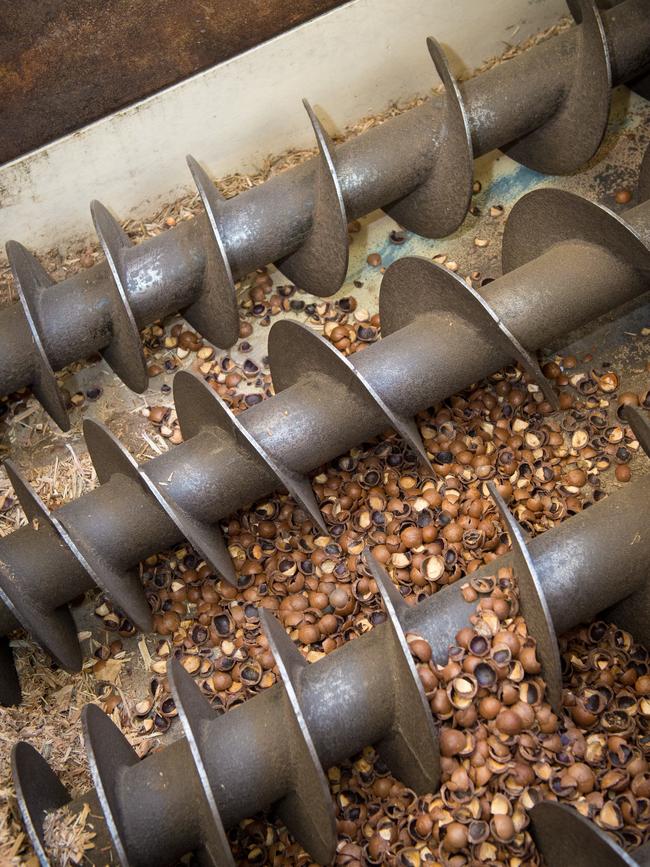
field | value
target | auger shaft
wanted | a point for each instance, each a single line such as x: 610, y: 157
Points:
x: 271, y: 221
x: 318, y: 412
x: 417, y: 366
x: 565, y: 262
x: 349, y: 698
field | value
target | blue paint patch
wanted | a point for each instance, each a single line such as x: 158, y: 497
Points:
x: 510, y: 186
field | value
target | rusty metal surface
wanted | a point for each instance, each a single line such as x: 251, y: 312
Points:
x: 533, y: 604
x: 303, y: 210
x: 65, y: 63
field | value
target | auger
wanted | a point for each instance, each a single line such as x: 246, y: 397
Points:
x: 270, y: 751
x: 565, y: 261
x: 549, y: 106
x: 567, y: 839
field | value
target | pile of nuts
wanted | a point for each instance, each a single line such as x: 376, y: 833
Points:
x: 503, y: 748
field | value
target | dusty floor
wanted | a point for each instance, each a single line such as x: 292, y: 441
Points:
x: 59, y: 467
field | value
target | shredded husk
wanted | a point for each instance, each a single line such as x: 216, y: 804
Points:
x: 69, y: 835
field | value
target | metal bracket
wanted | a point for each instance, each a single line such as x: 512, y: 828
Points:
x: 307, y: 811
x: 215, y: 313
x: 321, y: 262
x: 30, y: 278
x: 573, y: 134
x: 54, y: 628
x: 411, y: 750
x: 294, y: 349
x: 198, y: 407
x: 124, y: 352
x: 532, y: 604
x: 435, y: 289
x: 438, y: 206
x: 193, y: 711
